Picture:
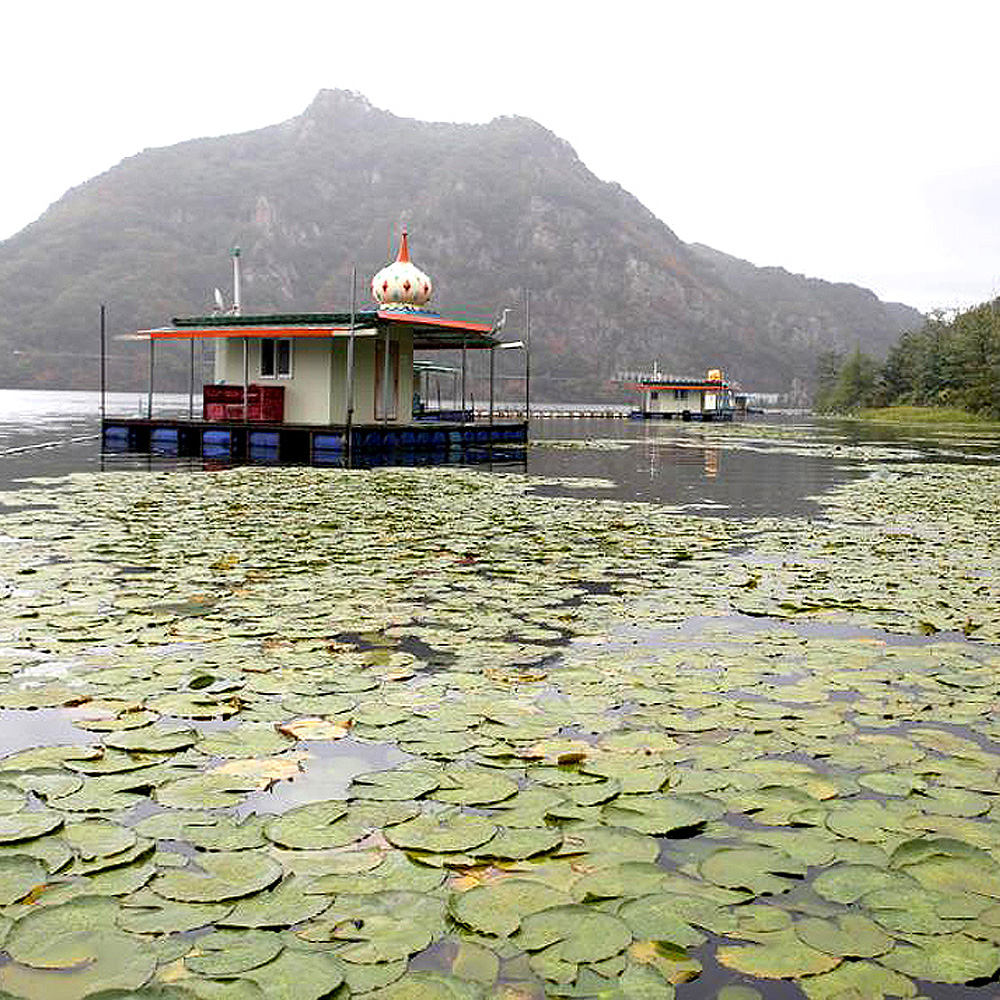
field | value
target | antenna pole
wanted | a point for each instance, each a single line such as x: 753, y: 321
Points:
x: 237, y: 285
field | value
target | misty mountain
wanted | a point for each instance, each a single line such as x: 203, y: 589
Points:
x: 491, y: 209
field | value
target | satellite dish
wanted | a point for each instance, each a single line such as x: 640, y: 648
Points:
x: 220, y: 302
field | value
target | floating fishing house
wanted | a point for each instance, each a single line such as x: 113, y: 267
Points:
x: 666, y: 398
x: 329, y: 388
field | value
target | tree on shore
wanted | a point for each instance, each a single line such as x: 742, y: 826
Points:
x: 949, y: 361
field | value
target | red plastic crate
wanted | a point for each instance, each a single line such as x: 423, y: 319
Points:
x: 266, y: 403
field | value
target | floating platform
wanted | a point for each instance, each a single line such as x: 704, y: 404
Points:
x: 706, y: 417
x: 259, y: 442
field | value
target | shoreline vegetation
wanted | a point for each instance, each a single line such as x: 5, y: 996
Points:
x: 942, y: 415
x: 948, y: 370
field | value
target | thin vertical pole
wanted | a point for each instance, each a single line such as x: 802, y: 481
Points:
x: 104, y: 359
x: 237, y: 283
x: 527, y: 355
x: 385, y: 376
x: 149, y: 398
x: 492, y: 367
x: 246, y: 376
x: 463, y: 379
x: 191, y: 385
x: 350, y: 365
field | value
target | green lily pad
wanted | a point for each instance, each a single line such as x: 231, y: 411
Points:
x: 110, y: 960
x: 19, y: 874
x: 848, y: 883
x: 281, y: 906
x: 654, y: 918
x: 218, y: 877
x: 662, y: 815
x: 857, y: 979
x: 395, y: 872
x: 517, y: 844
x: 97, y: 838
x: 298, y: 975
x: 441, y: 832
x: 583, y: 934
x: 156, y: 739
x: 205, y: 791
x: 393, y: 785
x: 498, y: 907
x: 757, y: 869
x: 431, y: 986
x: 252, y: 739
x: 16, y: 827
x: 229, y: 952
x: 60, y: 936
x: 313, y: 826
x: 145, y: 912
x: 473, y: 786
x: 850, y: 936
x: 782, y: 956
x: 944, y: 958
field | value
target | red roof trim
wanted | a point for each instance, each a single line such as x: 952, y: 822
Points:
x: 415, y: 318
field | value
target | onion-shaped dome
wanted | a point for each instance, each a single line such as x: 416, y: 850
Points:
x: 401, y: 284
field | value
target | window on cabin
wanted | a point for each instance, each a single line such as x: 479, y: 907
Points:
x: 276, y: 358
x: 654, y: 395
x: 680, y: 394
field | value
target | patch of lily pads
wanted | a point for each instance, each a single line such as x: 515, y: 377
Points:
x: 592, y: 801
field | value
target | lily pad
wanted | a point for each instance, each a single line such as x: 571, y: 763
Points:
x: 228, y: 953
x: 441, y: 832
x: 218, y: 877
x: 783, y: 956
x: 583, y: 934
x: 19, y: 874
x: 497, y: 907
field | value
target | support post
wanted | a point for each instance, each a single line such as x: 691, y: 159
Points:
x: 149, y: 398
x: 385, y: 376
x: 246, y: 376
x: 527, y: 355
x: 104, y: 359
x: 463, y: 379
x: 191, y: 385
x: 350, y: 367
x: 492, y: 375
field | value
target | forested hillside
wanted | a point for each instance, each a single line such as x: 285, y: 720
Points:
x: 492, y: 210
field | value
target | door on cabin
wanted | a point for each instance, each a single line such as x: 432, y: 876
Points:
x: 386, y: 409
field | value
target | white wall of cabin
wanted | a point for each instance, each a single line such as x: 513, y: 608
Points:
x: 316, y: 392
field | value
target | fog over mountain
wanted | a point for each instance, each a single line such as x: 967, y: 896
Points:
x: 492, y: 210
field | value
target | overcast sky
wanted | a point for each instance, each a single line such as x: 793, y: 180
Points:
x: 852, y: 141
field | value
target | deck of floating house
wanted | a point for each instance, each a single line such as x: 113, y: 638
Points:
x: 326, y: 388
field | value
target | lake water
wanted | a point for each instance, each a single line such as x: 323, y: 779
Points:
x: 682, y: 465
x: 770, y: 476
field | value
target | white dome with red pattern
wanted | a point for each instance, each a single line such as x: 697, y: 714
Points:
x: 401, y: 284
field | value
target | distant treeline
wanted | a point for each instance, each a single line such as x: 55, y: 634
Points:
x: 946, y: 362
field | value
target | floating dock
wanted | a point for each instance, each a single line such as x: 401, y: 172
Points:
x: 363, y: 445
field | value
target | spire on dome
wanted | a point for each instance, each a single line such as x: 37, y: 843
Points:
x: 401, y: 285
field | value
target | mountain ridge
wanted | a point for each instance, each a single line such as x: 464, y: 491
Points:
x: 492, y: 209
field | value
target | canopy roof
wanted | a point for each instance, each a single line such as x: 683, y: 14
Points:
x: 430, y: 331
